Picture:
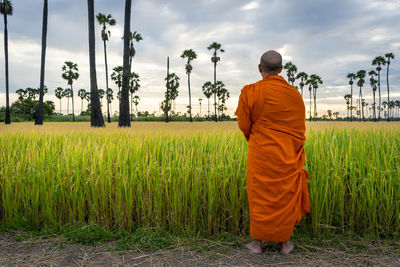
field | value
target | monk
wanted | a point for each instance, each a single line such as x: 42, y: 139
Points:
x: 271, y: 115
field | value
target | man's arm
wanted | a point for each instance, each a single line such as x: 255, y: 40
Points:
x: 243, y: 114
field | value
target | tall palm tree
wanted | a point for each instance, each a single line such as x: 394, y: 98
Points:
x: 316, y: 81
x: 134, y: 86
x: 378, y: 61
x: 70, y: 73
x: 347, y: 98
x: 59, y: 94
x: 110, y: 98
x: 352, y: 77
x: 82, y: 94
x: 216, y: 47
x: 105, y: 21
x: 360, y: 75
x: 6, y: 9
x: 208, y: 91
x: 190, y: 55
x: 309, y: 83
x: 124, y: 118
x: 135, y: 36
x: 303, y: 77
x: 388, y: 56
x: 373, y: 83
x: 39, y: 111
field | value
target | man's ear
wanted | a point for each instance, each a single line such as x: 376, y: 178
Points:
x: 280, y: 70
x: 260, y: 68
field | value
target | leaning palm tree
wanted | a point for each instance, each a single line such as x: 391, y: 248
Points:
x: 360, y: 75
x: 208, y: 91
x: 378, y: 61
x: 388, y: 56
x: 373, y: 83
x: 124, y: 118
x: 70, y: 73
x: 190, y: 55
x: 303, y: 77
x: 105, y: 21
x: 347, y: 98
x: 59, y: 94
x: 352, y: 77
x: 39, y: 111
x: 6, y: 9
x: 216, y: 47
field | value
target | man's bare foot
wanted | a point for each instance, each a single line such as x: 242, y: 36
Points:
x: 286, y: 247
x: 255, y: 246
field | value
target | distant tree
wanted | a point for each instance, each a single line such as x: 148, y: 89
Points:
x: 378, y: 62
x: 208, y: 90
x: 373, y: 83
x: 110, y: 98
x: 315, y: 81
x: 134, y: 86
x: 385, y: 104
x: 21, y: 93
x: 116, y: 76
x: 216, y: 47
x: 106, y: 21
x: 6, y: 9
x: 389, y: 56
x: 39, y: 111
x: 200, y: 100
x: 291, y: 70
x: 59, y: 92
x: 352, y: 77
x: 360, y: 75
x: 330, y: 114
x: 67, y: 93
x: 136, y: 100
x: 82, y: 94
x: 347, y: 98
x: 172, y: 92
x: 222, y: 95
x: 303, y: 78
x: 135, y: 36
x: 190, y: 55
x: 101, y: 95
x: 70, y: 73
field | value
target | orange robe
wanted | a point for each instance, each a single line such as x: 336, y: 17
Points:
x: 271, y: 114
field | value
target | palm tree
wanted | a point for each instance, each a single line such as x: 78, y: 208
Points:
x: 172, y: 93
x: 124, y: 118
x: 223, y: 95
x: 309, y: 83
x: 216, y: 47
x: 21, y: 93
x: 352, y: 77
x: 315, y: 81
x: 373, y: 83
x: 378, y: 61
x: 388, y: 56
x: 133, y: 87
x: 385, y: 104
x: 116, y: 76
x: 6, y: 9
x: 391, y: 106
x: 82, y: 94
x: 70, y: 73
x: 303, y: 77
x: 59, y: 94
x: 291, y: 71
x: 190, y: 55
x: 200, y: 99
x: 106, y: 21
x: 208, y: 91
x: 397, y: 103
x: 67, y: 93
x: 135, y: 36
x: 101, y: 95
x: 136, y: 100
x: 39, y: 111
x: 110, y: 98
x: 347, y: 98
x: 360, y: 75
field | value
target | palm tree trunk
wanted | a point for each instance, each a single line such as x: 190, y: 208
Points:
x: 315, y: 102
x: 379, y: 92
x: 208, y: 108
x: 351, y: 103
x: 106, y: 66
x: 124, y: 120
x: 166, y: 106
x: 39, y: 111
x: 361, y: 104
x: 8, y: 117
x: 67, y: 106
x: 73, y: 109
x: 190, y: 99
x: 215, y: 88
x: 374, y: 108
x: 387, y: 82
x: 96, y: 117
x: 310, y: 107
x: 131, y: 105
x: 60, y: 106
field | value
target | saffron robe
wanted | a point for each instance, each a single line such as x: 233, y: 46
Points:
x: 271, y: 115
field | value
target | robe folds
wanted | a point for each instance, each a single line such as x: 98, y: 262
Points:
x: 271, y: 115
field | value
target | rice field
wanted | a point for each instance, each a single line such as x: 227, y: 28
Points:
x: 191, y: 178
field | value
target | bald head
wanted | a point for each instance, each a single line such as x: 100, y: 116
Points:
x: 271, y: 62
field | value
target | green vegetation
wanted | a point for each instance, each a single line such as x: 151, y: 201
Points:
x: 191, y: 183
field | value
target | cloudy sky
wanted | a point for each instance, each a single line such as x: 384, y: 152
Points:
x: 329, y: 38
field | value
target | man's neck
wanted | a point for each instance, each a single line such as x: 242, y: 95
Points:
x: 266, y: 74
